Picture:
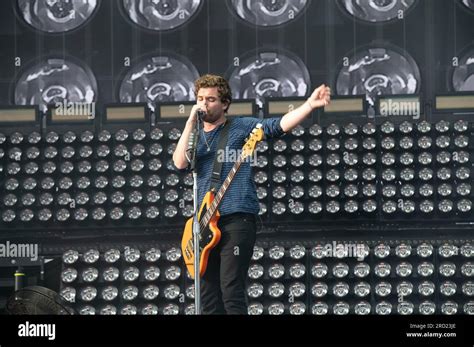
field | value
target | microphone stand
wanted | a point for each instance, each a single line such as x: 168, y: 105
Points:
x: 196, y: 226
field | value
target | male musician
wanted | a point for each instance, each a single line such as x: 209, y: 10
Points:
x: 223, y: 284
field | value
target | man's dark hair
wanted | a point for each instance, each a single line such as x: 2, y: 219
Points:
x: 212, y: 81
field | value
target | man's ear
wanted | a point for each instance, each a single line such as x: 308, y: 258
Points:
x: 227, y: 106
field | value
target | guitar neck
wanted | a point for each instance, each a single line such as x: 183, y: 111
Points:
x: 220, y: 194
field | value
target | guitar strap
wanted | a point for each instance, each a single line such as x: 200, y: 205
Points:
x: 221, y: 144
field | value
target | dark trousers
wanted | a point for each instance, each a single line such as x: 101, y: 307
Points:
x: 223, y: 288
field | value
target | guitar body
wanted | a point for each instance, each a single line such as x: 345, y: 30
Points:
x: 210, y: 237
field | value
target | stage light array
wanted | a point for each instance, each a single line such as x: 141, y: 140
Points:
x: 387, y: 172
x: 82, y: 177
x: 368, y: 172
x: 341, y: 278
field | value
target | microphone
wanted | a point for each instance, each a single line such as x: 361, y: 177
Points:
x: 201, y: 114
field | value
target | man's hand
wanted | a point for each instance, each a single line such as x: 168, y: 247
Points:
x: 179, y: 156
x: 193, y: 115
x: 321, y: 97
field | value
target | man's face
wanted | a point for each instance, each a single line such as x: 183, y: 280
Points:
x: 209, y: 101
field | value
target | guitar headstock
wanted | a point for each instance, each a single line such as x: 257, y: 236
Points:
x: 255, y: 137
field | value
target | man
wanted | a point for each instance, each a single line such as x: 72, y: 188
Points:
x: 223, y: 284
